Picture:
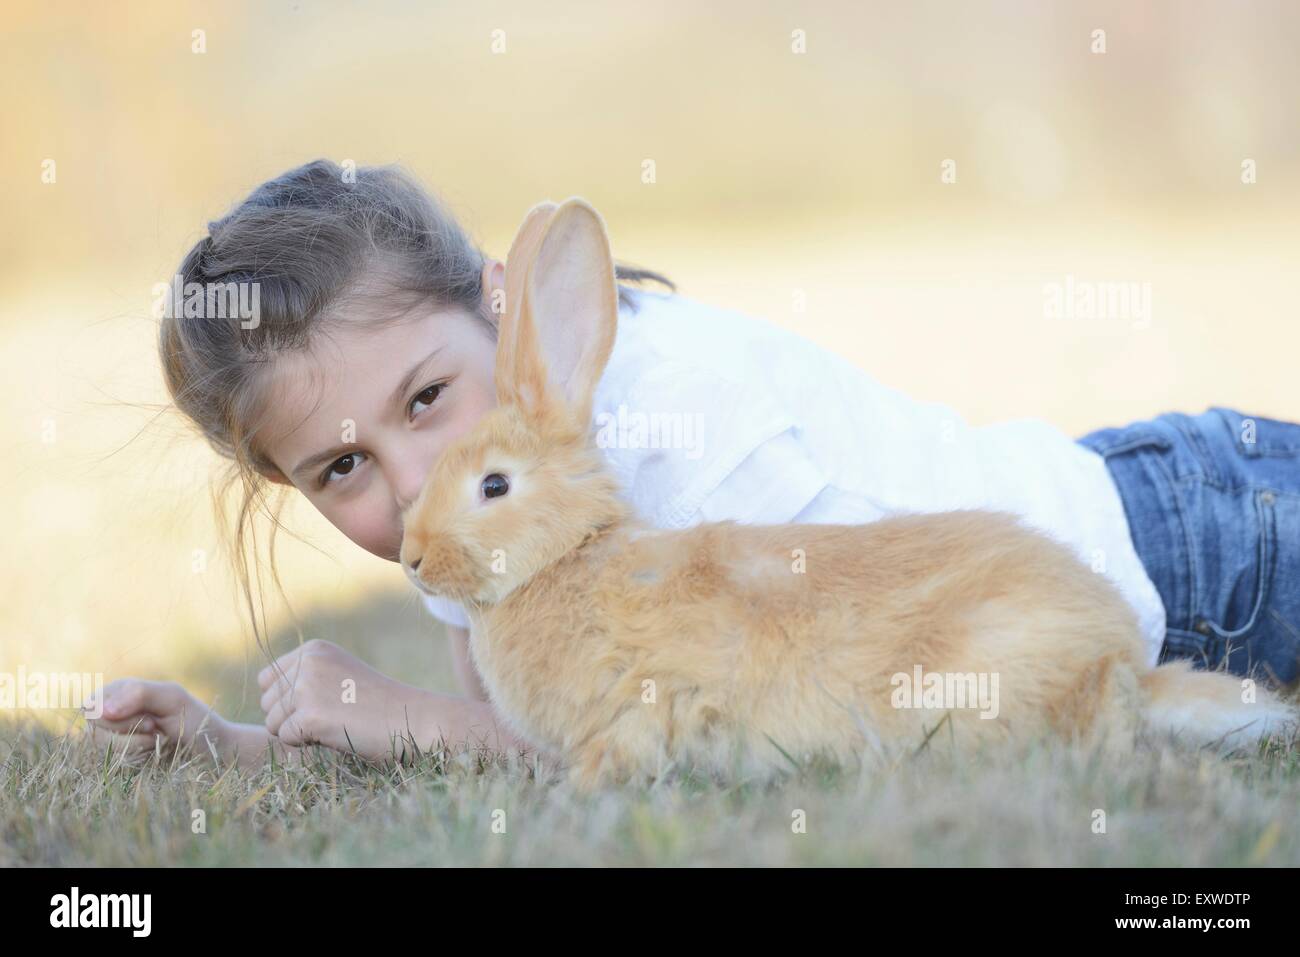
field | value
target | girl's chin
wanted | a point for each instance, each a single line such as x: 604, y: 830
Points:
x: 392, y: 553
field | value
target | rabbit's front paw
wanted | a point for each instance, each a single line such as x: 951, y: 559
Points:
x: 597, y: 764
x: 585, y: 778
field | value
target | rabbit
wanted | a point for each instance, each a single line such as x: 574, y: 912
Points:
x: 733, y: 649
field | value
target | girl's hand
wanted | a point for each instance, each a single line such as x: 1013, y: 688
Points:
x: 140, y: 716
x: 320, y: 694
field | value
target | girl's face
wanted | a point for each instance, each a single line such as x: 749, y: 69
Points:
x: 357, y: 422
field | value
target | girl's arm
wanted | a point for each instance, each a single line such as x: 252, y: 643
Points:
x: 474, y: 712
x: 321, y: 693
x: 458, y: 720
x: 470, y: 681
x: 247, y: 744
x: 136, y: 717
x: 434, y: 718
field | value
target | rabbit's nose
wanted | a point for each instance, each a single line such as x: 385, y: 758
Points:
x: 415, y: 565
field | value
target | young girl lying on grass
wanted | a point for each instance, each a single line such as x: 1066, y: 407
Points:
x: 374, y: 349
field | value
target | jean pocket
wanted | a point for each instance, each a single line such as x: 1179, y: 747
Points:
x: 1235, y: 559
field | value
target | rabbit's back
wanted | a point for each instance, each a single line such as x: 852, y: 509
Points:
x: 702, y: 644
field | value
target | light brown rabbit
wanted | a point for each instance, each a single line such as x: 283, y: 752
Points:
x: 733, y: 648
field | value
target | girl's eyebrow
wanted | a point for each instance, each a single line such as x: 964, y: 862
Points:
x: 313, y: 462
x: 399, y: 394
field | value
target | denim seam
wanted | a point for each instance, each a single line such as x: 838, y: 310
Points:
x: 1285, y: 624
x: 1188, y: 427
x: 1107, y: 451
x: 1265, y: 557
x: 1118, y: 444
x: 1175, y: 489
x: 1234, y: 489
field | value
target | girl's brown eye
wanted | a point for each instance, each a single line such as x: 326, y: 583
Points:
x: 344, y: 469
x: 342, y: 466
x: 428, y: 397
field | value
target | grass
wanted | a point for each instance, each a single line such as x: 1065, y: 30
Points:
x: 64, y: 802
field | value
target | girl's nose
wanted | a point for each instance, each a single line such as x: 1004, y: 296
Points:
x: 407, y: 486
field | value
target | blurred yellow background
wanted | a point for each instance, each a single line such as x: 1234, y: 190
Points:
x: 801, y: 187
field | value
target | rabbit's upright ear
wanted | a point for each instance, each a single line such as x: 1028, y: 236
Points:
x: 523, y: 250
x: 562, y: 309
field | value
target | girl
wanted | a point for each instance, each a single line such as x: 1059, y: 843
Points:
x: 373, y: 349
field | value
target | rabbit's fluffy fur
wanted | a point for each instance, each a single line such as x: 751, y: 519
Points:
x: 628, y: 649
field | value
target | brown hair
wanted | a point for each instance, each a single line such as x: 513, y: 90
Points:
x: 314, y: 237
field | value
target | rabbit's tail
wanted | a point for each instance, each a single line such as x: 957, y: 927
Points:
x: 1211, y: 708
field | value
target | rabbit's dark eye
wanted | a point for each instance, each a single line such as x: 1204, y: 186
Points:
x: 495, y: 485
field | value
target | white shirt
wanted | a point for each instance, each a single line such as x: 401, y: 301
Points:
x: 754, y: 423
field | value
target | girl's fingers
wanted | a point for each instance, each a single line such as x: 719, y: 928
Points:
x: 269, y: 697
x: 291, y: 733
x: 276, y: 689
x: 268, y: 675
x: 282, y: 722
x: 283, y: 665
x: 275, y: 717
x: 130, y: 696
x: 277, y: 692
x: 143, y: 724
x: 128, y: 745
x: 115, y: 690
x: 100, y: 736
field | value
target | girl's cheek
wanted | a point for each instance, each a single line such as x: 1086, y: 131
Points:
x: 478, y: 403
x: 371, y: 523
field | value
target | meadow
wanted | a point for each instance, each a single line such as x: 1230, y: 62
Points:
x: 64, y: 801
x: 967, y: 201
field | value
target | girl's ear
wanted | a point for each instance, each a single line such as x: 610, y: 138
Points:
x: 492, y: 280
x: 562, y: 310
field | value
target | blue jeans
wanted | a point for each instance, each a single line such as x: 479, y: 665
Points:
x: 1213, y: 504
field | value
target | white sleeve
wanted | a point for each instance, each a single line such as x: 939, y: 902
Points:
x: 447, y: 611
x: 773, y: 484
